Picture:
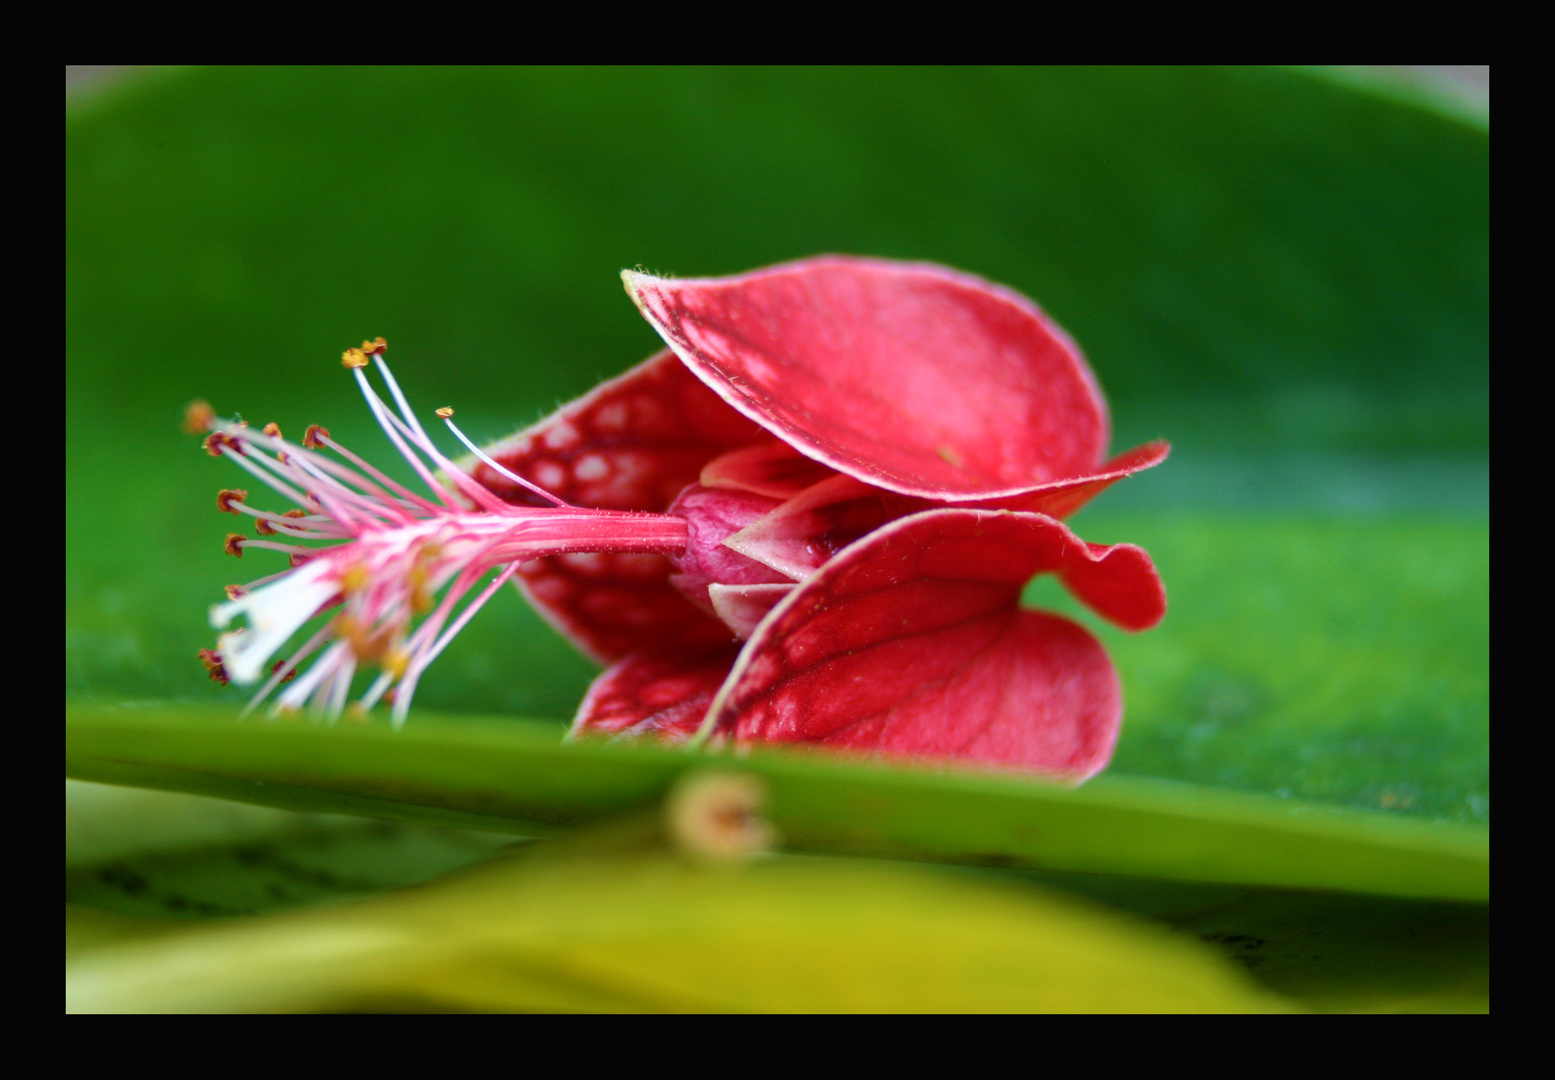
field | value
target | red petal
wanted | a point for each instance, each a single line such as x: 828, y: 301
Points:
x: 912, y: 643
x: 911, y: 377
x: 742, y: 607
x: 797, y: 537
x: 772, y: 468
x: 612, y: 605
x: 1119, y: 583
x: 630, y: 444
x: 1065, y: 497
x: 663, y: 695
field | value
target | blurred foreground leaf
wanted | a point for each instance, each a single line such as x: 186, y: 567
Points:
x: 518, y: 777
x: 141, y: 852
x: 644, y: 930
x: 132, y: 853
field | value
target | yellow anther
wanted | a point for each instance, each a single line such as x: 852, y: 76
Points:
x: 353, y: 358
x: 417, y: 577
x: 355, y: 579
x: 376, y: 345
x: 396, y: 663
x: 445, y: 412
x: 345, y: 626
x: 199, y: 417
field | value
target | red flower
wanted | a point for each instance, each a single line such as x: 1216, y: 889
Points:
x: 851, y: 466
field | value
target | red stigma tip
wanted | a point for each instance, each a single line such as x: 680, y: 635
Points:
x: 198, y: 417
x: 310, y: 439
x: 211, y: 658
x: 227, y: 496
x: 216, y: 440
x: 234, y: 544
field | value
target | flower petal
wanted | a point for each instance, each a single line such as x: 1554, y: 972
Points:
x: 911, y: 643
x: 657, y: 694
x: 632, y: 443
x: 1064, y: 497
x: 772, y: 468
x: 798, y: 537
x: 911, y: 377
x: 742, y: 607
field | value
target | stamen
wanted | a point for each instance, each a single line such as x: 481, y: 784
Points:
x: 211, y: 658
x: 412, y: 429
x: 405, y: 558
x: 272, y: 429
x: 218, y: 442
x: 199, y: 417
x: 447, y: 413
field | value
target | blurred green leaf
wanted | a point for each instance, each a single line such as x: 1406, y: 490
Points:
x: 155, y: 853
x: 1330, y: 952
x: 514, y: 776
x: 1332, y: 660
x: 643, y: 930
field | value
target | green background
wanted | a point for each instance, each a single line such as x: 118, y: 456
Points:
x: 1284, y: 272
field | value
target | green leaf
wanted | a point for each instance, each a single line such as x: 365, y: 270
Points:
x: 139, y: 853
x: 154, y: 853
x: 1342, y: 662
x: 517, y: 777
x: 642, y: 930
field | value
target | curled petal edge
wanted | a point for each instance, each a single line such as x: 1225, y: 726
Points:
x: 910, y: 644
x: 969, y: 425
